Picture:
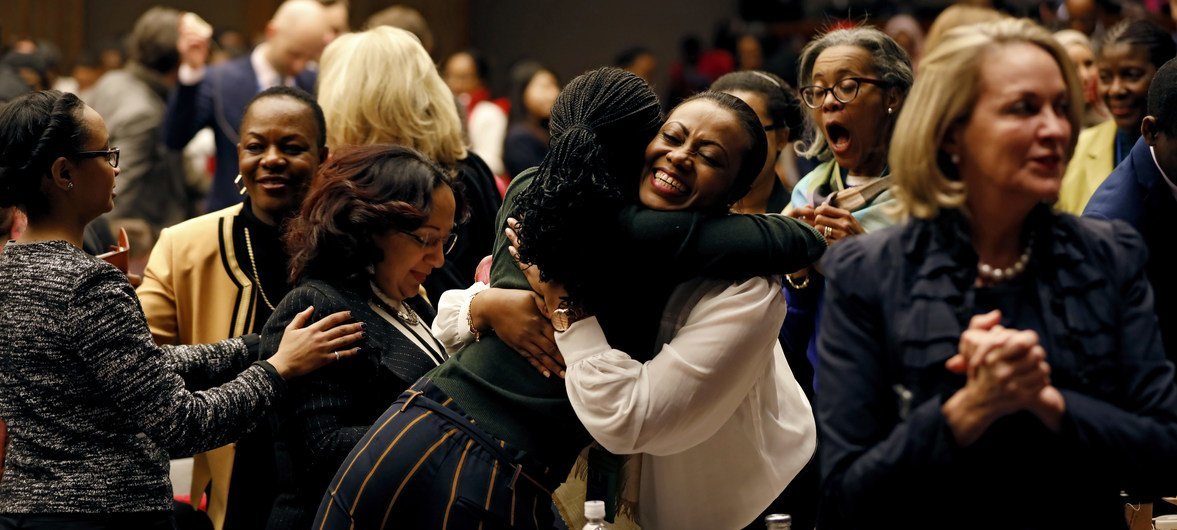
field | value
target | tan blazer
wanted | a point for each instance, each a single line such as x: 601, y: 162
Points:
x: 194, y: 292
x: 1093, y: 161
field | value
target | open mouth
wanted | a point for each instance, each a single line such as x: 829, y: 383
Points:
x: 667, y: 183
x: 838, y: 137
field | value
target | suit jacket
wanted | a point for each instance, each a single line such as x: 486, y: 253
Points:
x: 1136, y: 192
x: 194, y: 292
x: 329, y: 411
x: 219, y: 101
x: 897, y: 302
x: 151, y: 177
x: 1093, y: 160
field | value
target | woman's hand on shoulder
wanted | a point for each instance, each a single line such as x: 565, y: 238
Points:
x: 305, y: 348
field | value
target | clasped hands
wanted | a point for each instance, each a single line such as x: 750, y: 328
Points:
x: 1007, y: 372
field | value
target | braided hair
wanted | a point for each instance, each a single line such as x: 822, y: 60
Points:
x: 600, y: 125
x: 36, y: 129
x: 1145, y: 34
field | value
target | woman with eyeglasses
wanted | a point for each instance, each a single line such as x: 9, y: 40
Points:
x: 377, y: 222
x: 854, y: 81
x: 94, y: 408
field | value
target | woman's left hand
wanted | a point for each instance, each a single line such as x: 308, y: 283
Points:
x: 552, y: 292
x: 835, y: 224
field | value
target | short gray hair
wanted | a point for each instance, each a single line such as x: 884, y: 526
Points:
x: 888, y: 59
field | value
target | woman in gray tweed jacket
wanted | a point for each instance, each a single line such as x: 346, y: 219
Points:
x: 94, y: 408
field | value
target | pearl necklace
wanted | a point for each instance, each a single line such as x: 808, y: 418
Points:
x: 990, y: 274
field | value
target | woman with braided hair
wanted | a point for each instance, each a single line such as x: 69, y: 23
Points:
x: 485, y: 438
x: 94, y: 407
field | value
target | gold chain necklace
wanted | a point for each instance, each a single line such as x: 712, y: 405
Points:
x: 256, y: 278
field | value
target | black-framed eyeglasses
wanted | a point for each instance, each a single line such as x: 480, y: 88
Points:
x: 111, y: 155
x: 844, y: 91
x: 446, y: 244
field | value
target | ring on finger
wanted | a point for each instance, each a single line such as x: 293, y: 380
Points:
x: 827, y: 231
x: 336, y: 355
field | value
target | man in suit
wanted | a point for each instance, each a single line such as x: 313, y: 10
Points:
x: 1143, y: 191
x: 216, y: 96
x: 132, y: 100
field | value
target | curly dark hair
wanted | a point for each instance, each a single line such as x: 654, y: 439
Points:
x: 600, y: 125
x: 36, y: 129
x: 362, y: 193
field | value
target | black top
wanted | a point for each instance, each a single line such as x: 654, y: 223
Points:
x: 328, y: 411
x: 268, y: 253
x: 94, y: 408
x: 522, y: 149
x: 897, y: 301
x: 514, y: 402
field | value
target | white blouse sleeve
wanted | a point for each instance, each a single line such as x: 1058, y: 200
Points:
x: 451, y: 326
x: 694, y: 383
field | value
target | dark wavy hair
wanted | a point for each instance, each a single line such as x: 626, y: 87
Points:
x: 362, y: 193
x: 36, y: 129
x: 600, y: 125
x: 784, y: 108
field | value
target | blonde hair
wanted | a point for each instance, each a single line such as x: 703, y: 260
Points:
x: 380, y: 86
x: 1070, y: 37
x: 944, y: 96
x: 956, y: 16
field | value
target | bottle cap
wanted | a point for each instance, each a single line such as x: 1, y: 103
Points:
x: 778, y: 518
x: 594, y: 509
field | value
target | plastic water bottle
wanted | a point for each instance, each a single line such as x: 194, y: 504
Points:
x: 778, y: 521
x: 594, y: 512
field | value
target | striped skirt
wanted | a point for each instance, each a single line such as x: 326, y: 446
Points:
x: 425, y: 465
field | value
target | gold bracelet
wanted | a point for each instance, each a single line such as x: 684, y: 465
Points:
x: 470, y: 317
x: 798, y: 286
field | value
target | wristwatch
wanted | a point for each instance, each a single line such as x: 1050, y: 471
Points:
x: 565, y: 315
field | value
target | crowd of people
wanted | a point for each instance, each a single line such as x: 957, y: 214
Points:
x: 925, y: 285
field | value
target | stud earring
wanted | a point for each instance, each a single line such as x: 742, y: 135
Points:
x: 69, y: 186
x: 955, y: 159
x: 240, y: 187
x: 890, y: 110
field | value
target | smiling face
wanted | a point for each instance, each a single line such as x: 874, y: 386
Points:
x: 694, y: 159
x: 93, y: 178
x: 855, y: 131
x: 1124, y: 75
x: 1013, y: 148
x: 278, y: 155
x: 407, y: 263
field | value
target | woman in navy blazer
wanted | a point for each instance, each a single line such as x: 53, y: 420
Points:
x: 991, y: 363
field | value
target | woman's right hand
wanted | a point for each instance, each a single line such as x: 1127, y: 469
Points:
x: 517, y: 317
x: 305, y: 349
